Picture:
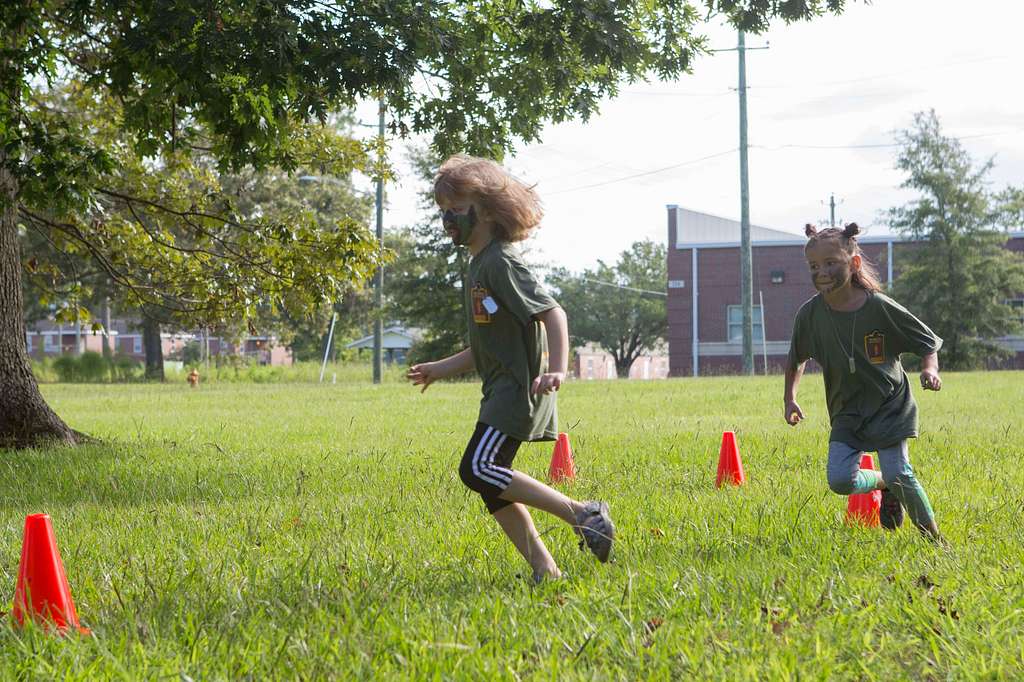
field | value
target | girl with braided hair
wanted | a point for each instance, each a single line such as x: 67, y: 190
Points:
x: 856, y: 334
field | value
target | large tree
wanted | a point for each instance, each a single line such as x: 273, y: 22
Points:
x: 619, y: 307
x: 182, y: 242
x: 959, y: 276
x: 238, y: 78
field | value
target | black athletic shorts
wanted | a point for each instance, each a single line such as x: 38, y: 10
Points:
x: 485, y: 465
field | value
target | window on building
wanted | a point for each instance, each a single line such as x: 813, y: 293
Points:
x: 28, y: 342
x: 735, y: 321
x: 50, y: 342
x: 137, y: 345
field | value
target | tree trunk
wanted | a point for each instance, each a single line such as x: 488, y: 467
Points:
x: 25, y: 418
x: 622, y: 365
x: 108, y: 353
x: 154, y: 349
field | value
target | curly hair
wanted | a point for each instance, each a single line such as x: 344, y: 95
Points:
x: 513, y: 206
x: 866, y: 277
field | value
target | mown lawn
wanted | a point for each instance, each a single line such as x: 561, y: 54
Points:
x: 302, y: 531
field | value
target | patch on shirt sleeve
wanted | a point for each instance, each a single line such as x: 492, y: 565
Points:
x: 481, y: 310
x: 874, y: 347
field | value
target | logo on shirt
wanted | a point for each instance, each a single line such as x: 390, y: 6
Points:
x: 483, y: 304
x: 874, y: 347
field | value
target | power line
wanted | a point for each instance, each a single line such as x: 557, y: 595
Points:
x: 644, y: 174
x: 622, y: 286
x: 656, y: 93
x: 772, y: 148
x: 889, y: 74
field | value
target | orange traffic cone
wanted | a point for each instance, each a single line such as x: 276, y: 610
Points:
x: 42, y: 593
x: 562, y: 467
x: 730, y: 468
x: 863, y: 508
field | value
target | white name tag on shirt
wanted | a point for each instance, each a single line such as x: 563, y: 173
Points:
x: 490, y: 306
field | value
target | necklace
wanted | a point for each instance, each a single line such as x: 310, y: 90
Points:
x: 853, y: 335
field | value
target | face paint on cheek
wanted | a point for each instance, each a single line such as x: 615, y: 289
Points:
x: 835, y: 277
x: 461, y: 224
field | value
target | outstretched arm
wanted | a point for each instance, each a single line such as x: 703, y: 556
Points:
x: 427, y: 373
x: 557, y: 327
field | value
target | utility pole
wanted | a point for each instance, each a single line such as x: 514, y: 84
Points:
x: 832, y: 210
x: 378, y: 279
x: 746, y: 255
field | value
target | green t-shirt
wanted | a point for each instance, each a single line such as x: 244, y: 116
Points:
x: 509, y: 347
x: 872, y: 407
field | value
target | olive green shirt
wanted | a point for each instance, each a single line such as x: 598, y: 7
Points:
x: 510, y: 348
x: 872, y: 407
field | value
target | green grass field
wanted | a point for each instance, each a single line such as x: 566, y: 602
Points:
x: 301, y: 531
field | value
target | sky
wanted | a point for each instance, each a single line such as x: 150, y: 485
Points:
x: 824, y: 104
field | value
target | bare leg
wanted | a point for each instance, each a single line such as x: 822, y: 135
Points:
x: 517, y: 523
x: 530, y: 491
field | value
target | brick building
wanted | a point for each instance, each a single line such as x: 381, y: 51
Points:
x: 48, y: 339
x: 704, y: 312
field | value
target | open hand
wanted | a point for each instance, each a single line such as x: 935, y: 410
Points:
x: 793, y: 414
x: 547, y: 383
x: 425, y: 374
x: 930, y: 380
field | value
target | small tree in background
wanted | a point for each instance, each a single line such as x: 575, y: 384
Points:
x: 960, y: 277
x: 617, y: 306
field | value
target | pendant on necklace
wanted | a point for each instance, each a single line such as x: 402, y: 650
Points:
x: 853, y: 368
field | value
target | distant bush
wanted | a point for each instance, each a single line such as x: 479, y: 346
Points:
x: 89, y: 367
x: 127, y: 369
x: 43, y: 371
x: 239, y: 371
x: 93, y: 367
x: 66, y: 367
x: 192, y: 353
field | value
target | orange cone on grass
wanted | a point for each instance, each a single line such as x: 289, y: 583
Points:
x: 863, y: 508
x: 42, y: 593
x: 562, y: 467
x: 730, y: 467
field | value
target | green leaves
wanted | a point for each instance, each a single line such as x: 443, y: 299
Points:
x: 191, y: 244
x: 131, y: 174
x: 618, y: 307
x: 960, y: 276
x: 477, y: 75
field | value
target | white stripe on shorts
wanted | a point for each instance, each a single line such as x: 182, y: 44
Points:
x: 495, y: 470
x: 490, y: 435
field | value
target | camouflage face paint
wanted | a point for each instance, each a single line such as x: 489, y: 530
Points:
x: 459, y: 225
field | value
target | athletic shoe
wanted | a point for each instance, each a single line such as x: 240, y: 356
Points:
x: 891, y: 513
x: 596, y: 529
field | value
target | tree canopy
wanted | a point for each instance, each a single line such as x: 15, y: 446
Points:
x: 239, y: 82
x: 960, y: 277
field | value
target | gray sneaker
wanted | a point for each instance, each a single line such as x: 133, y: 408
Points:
x: 595, y: 527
